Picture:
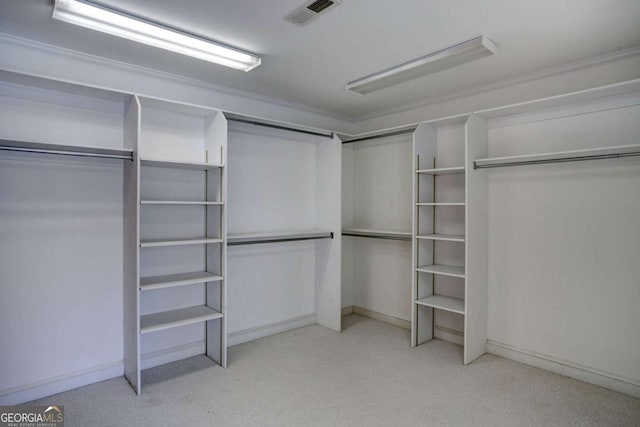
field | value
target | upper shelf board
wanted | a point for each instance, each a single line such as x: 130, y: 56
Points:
x: 561, y: 100
x: 178, y: 165
x: 179, y: 242
x: 71, y: 150
x: 560, y: 156
x: 378, y: 234
x: 177, y: 107
x: 276, y: 236
x: 180, y: 202
x: 445, y: 237
x: 442, y: 171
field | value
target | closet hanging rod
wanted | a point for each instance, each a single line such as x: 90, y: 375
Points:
x: 248, y: 240
x: 377, y: 235
x: 65, y: 150
x: 560, y: 157
x: 380, y: 135
x: 281, y: 127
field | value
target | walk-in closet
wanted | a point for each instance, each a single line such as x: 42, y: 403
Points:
x: 319, y: 213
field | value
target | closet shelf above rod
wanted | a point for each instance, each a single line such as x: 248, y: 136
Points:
x: 376, y: 234
x: 560, y: 157
x: 235, y: 239
x: 65, y: 150
x: 275, y: 125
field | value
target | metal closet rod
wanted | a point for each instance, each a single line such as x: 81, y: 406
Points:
x: 562, y: 160
x: 278, y: 240
x: 346, y: 233
x: 381, y: 135
x: 67, y: 153
x: 281, y: 127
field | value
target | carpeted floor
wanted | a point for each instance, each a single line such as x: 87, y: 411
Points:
x: 365, y: 376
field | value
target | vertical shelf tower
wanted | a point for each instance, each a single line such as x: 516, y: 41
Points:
x: 449, y: 288
x: 175, y: 234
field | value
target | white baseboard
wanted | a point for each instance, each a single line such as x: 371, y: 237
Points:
x: 566, y: 368
x: 251, y: 334
x: 392, y: 320
x: 449, y: 335
x: 173, y: 354
x: 347, y: 310
x: 44, y: 388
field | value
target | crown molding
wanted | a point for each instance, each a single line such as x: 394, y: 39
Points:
x: 536, y: 75
x: 141, y: 70
x: 349, y: 123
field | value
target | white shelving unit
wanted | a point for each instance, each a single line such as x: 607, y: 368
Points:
x: 449, y: 292
x: 175, y: 231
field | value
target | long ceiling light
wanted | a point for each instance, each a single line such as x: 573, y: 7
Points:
x: 98, y: 18
x: 460, y: 53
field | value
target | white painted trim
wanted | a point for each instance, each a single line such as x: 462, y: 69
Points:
x: 55, y: 63
x: 348, y: 125
x: 246, y: 335
x: 440, y: 332
x: 347, y: 310
x: 594, y: 106
x: 563, y: 367
x: 165, y: 75
x: 54, y: 385
x: 537, y: 75
x: 392, y: 320
x: 449, y: 335
x: 173, y: 354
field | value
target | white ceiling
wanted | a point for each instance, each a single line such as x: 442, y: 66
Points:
x: 310, y: 65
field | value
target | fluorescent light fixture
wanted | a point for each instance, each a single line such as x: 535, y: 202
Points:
x: 98, y: 18
x: 449, y: 57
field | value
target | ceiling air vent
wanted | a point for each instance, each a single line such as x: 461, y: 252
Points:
x: 309, y: 11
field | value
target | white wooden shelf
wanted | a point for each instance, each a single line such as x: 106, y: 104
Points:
x: 178, y: 165
x: 69, y: 150
x: 178, y: 242
x: 454, y: 305
x: 377, y: 234
x: 174, y: 318
x: 180, y: 202
x: 442, y: 171
x: 172, y: 280
x: 444, y: 270
x: 440, y: 204
x: 560, y: 156
x: 276, y: 236
x: 444, y: 237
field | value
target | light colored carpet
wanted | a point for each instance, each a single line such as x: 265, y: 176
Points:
x: 365, y: 376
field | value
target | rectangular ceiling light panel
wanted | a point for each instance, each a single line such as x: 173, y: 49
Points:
x: 449, y: 57
x: 111, y: 22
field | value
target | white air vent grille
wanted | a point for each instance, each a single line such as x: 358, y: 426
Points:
x: 309, y: 11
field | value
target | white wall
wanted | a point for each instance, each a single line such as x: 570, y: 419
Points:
x: 564, y: 245
x: 377, y: 195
